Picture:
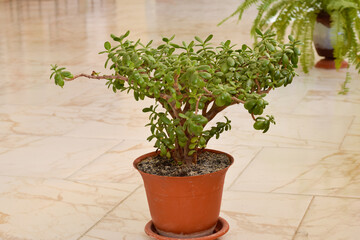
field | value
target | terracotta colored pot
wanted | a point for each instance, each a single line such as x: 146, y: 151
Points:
x: 322, y: 42
x: 183, y: 207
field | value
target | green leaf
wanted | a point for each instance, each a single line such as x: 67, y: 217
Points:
x: 147, y: 110
x: 294, y: 59
x: 107, y: 45
x: 61, y: 83
x: 183, y: 115
x: 219, y: 74
x: 285, y: 59
x: 208, y: 38
x: 191, y: 152
x: 224, y: 67
x: 174, y: 45
x: 59, y: 80
x: 198, y: 39
x: 223, y: 99
x: 200, y: 119
x: 258, y: 32
x: 126, y: 34
x: 202, y: 141
x: 192, y: 146
x: 230, y: 61
x: 163, y: 150
x: 259, y: 125
x: 205, y: 75
x: 270, y: 47
x: 195, y: 129
x: 204, y: 67
x: 66, y: 74
x: 165, y: 119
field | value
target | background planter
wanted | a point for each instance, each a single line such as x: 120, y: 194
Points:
x: 322, y: 42
x: 184, y: 206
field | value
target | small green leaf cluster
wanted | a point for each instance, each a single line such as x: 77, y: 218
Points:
x: 163, y: 129
x: 217, y: 130
x: 262, y: 123
x: 60, y: 75
x: 194, y: 81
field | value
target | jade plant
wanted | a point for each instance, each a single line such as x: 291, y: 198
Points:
x: 193, y: 82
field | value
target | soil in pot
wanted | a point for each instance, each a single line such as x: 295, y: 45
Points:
x: 208, y: 162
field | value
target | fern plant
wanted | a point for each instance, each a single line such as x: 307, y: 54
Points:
x: 301, y: 15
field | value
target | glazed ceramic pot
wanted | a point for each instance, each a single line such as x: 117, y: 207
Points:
x: 322, y: 41
x: 184, y: 207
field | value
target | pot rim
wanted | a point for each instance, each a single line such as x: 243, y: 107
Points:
x: 154, y: 153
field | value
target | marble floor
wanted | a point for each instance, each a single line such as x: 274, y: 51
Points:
x: 66, y: 154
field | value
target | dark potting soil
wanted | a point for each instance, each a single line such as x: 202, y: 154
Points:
x: 207, y: 162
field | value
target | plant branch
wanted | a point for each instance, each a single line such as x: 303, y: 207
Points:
x: 197, y: 104
x: 98, y: 77
x: 171, y: 104
x: 253, y: 117
x: 265, y: 91
x: 176, y: 84
x: 258, y: 90
x: 206, y: 105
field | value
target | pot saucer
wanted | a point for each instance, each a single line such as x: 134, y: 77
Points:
x: 221, y: 228
x: 329, y: 64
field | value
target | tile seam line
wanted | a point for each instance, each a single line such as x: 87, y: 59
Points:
x: 93, y: 184
x: 297, y: 194
x: 64, y: 135
x: 108, y: 212
x: 346, y: 134
x: 302, y: 219
x: 246, y: 167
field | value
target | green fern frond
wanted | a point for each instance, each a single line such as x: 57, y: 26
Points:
x: 351, y: 34
x: 283, y: 21
x: 299, y: 29
x: 337, y: 37
x: 306, y: 36
x: 273, y: 11
x: 240, y: 10
x: 344, y: 86
x: 357, y: 26
x: 261, y: 9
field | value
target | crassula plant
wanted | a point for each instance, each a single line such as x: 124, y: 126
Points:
x: 193, y: 82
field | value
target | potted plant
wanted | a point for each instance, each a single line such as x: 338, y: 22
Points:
x: 333, y: 26
x: 191, y: 83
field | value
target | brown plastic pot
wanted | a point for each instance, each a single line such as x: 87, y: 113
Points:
x: 184, y: 207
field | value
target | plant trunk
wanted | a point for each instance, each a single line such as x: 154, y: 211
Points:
x: 180, y: 155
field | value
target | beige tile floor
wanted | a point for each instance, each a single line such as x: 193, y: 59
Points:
x: 66, y: 154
